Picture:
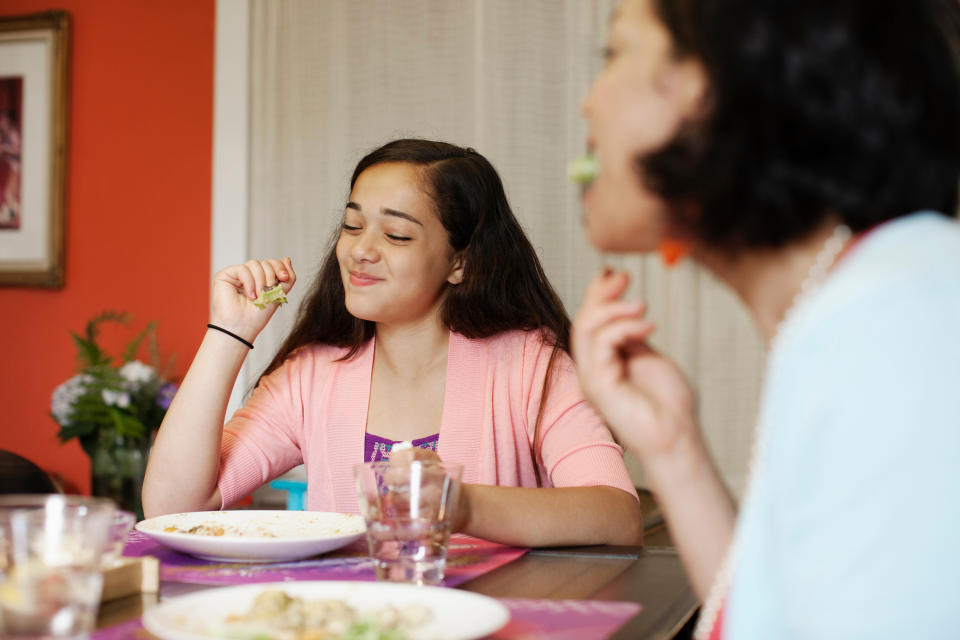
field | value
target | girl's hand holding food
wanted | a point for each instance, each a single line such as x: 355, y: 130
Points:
x: 642, y: 395
x: 239, y: 304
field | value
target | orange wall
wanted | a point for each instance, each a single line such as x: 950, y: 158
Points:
x: 137, y: 212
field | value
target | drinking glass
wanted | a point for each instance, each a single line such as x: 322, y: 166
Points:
x: 408, y: 507
x: 120, y: 525
x: 50, y: 554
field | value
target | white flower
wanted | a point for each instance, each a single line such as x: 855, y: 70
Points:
x: 61, y: 404
x: 115, y: 398
x: 137, y: 372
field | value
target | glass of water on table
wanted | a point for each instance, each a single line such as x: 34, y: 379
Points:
x: 409, y: 506
x: 50, y: 558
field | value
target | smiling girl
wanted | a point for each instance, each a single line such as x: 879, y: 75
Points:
x: 430, y: 320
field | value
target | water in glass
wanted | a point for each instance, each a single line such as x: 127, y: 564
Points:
x: 409, y: 550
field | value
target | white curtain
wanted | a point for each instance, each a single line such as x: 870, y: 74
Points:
x: 331, y: 80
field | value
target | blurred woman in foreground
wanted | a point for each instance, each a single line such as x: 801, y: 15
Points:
x: 807, y: 153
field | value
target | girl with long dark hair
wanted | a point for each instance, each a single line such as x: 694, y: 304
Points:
x: 430, y: 321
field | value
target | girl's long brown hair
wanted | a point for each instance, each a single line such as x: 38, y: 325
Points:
x: 504, y: 286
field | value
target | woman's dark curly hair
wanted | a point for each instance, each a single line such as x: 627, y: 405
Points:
x: 504, y: 286
x: 816, y: 109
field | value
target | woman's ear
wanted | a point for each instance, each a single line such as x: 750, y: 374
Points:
x: 456, y: 269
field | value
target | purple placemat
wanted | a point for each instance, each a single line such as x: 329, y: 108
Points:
x: 529, y: 620
x: 564, y: 619
x: 467, y: 558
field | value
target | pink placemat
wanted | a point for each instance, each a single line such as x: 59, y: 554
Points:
x: 467, y: 558
x: 529, y: 620
x: 564, y: 619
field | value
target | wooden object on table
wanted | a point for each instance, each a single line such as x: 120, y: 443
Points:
x: 128, y: 576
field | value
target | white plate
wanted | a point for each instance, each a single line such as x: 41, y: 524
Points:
x: 298, y: 534
x: 454, y: 614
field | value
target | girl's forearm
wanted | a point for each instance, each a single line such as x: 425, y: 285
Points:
x: 184, y: 461
x: 550, y: 517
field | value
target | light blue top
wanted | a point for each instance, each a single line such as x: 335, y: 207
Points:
x: 851, y: 527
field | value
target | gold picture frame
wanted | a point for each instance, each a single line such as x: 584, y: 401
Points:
x: 34, y: 63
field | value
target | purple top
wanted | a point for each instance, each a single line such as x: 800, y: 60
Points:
x: 377, y: 449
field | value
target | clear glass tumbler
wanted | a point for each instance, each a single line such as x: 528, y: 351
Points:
x: 409, y: 508
x: 120, y: 525
x: 50, y: 556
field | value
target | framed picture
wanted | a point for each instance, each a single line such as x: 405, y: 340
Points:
x: 33, y: 137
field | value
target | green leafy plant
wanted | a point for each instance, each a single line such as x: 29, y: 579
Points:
x: 106, y: 401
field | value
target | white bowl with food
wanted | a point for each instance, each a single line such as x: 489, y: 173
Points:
x: 254, y: 536
x: 327, y: 609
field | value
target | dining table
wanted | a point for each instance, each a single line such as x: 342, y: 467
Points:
x: 583, y: 592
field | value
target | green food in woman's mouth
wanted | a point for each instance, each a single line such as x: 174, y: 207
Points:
x: 583, y: 170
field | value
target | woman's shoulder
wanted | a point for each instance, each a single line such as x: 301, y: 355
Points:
x: 891, y: 307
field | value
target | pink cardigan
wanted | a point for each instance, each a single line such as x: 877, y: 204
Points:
x: 313, y: 409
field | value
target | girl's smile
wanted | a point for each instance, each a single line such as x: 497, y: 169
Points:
x: 361, y: 279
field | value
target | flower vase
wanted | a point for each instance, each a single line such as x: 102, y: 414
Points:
x: 117, y: 469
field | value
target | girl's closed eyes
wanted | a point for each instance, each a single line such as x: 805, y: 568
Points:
x: 395, y: 237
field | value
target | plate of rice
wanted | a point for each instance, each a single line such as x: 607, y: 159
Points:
x: 254, y: 536
x: 313, y: 610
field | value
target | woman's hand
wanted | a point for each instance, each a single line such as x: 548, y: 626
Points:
x: 650, y: 407
x: 235, y: 288
x: 642, y: 395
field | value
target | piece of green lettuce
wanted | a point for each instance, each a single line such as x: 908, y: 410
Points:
x: 273, y: 295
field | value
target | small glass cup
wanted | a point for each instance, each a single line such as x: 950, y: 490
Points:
x: 120, y: 525
x: 408, y: 508
x: 50, y: 559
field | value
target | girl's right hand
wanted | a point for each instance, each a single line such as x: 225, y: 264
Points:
x: 235, y: 288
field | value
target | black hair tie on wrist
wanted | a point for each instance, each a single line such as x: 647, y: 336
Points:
x: 231, y: 334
